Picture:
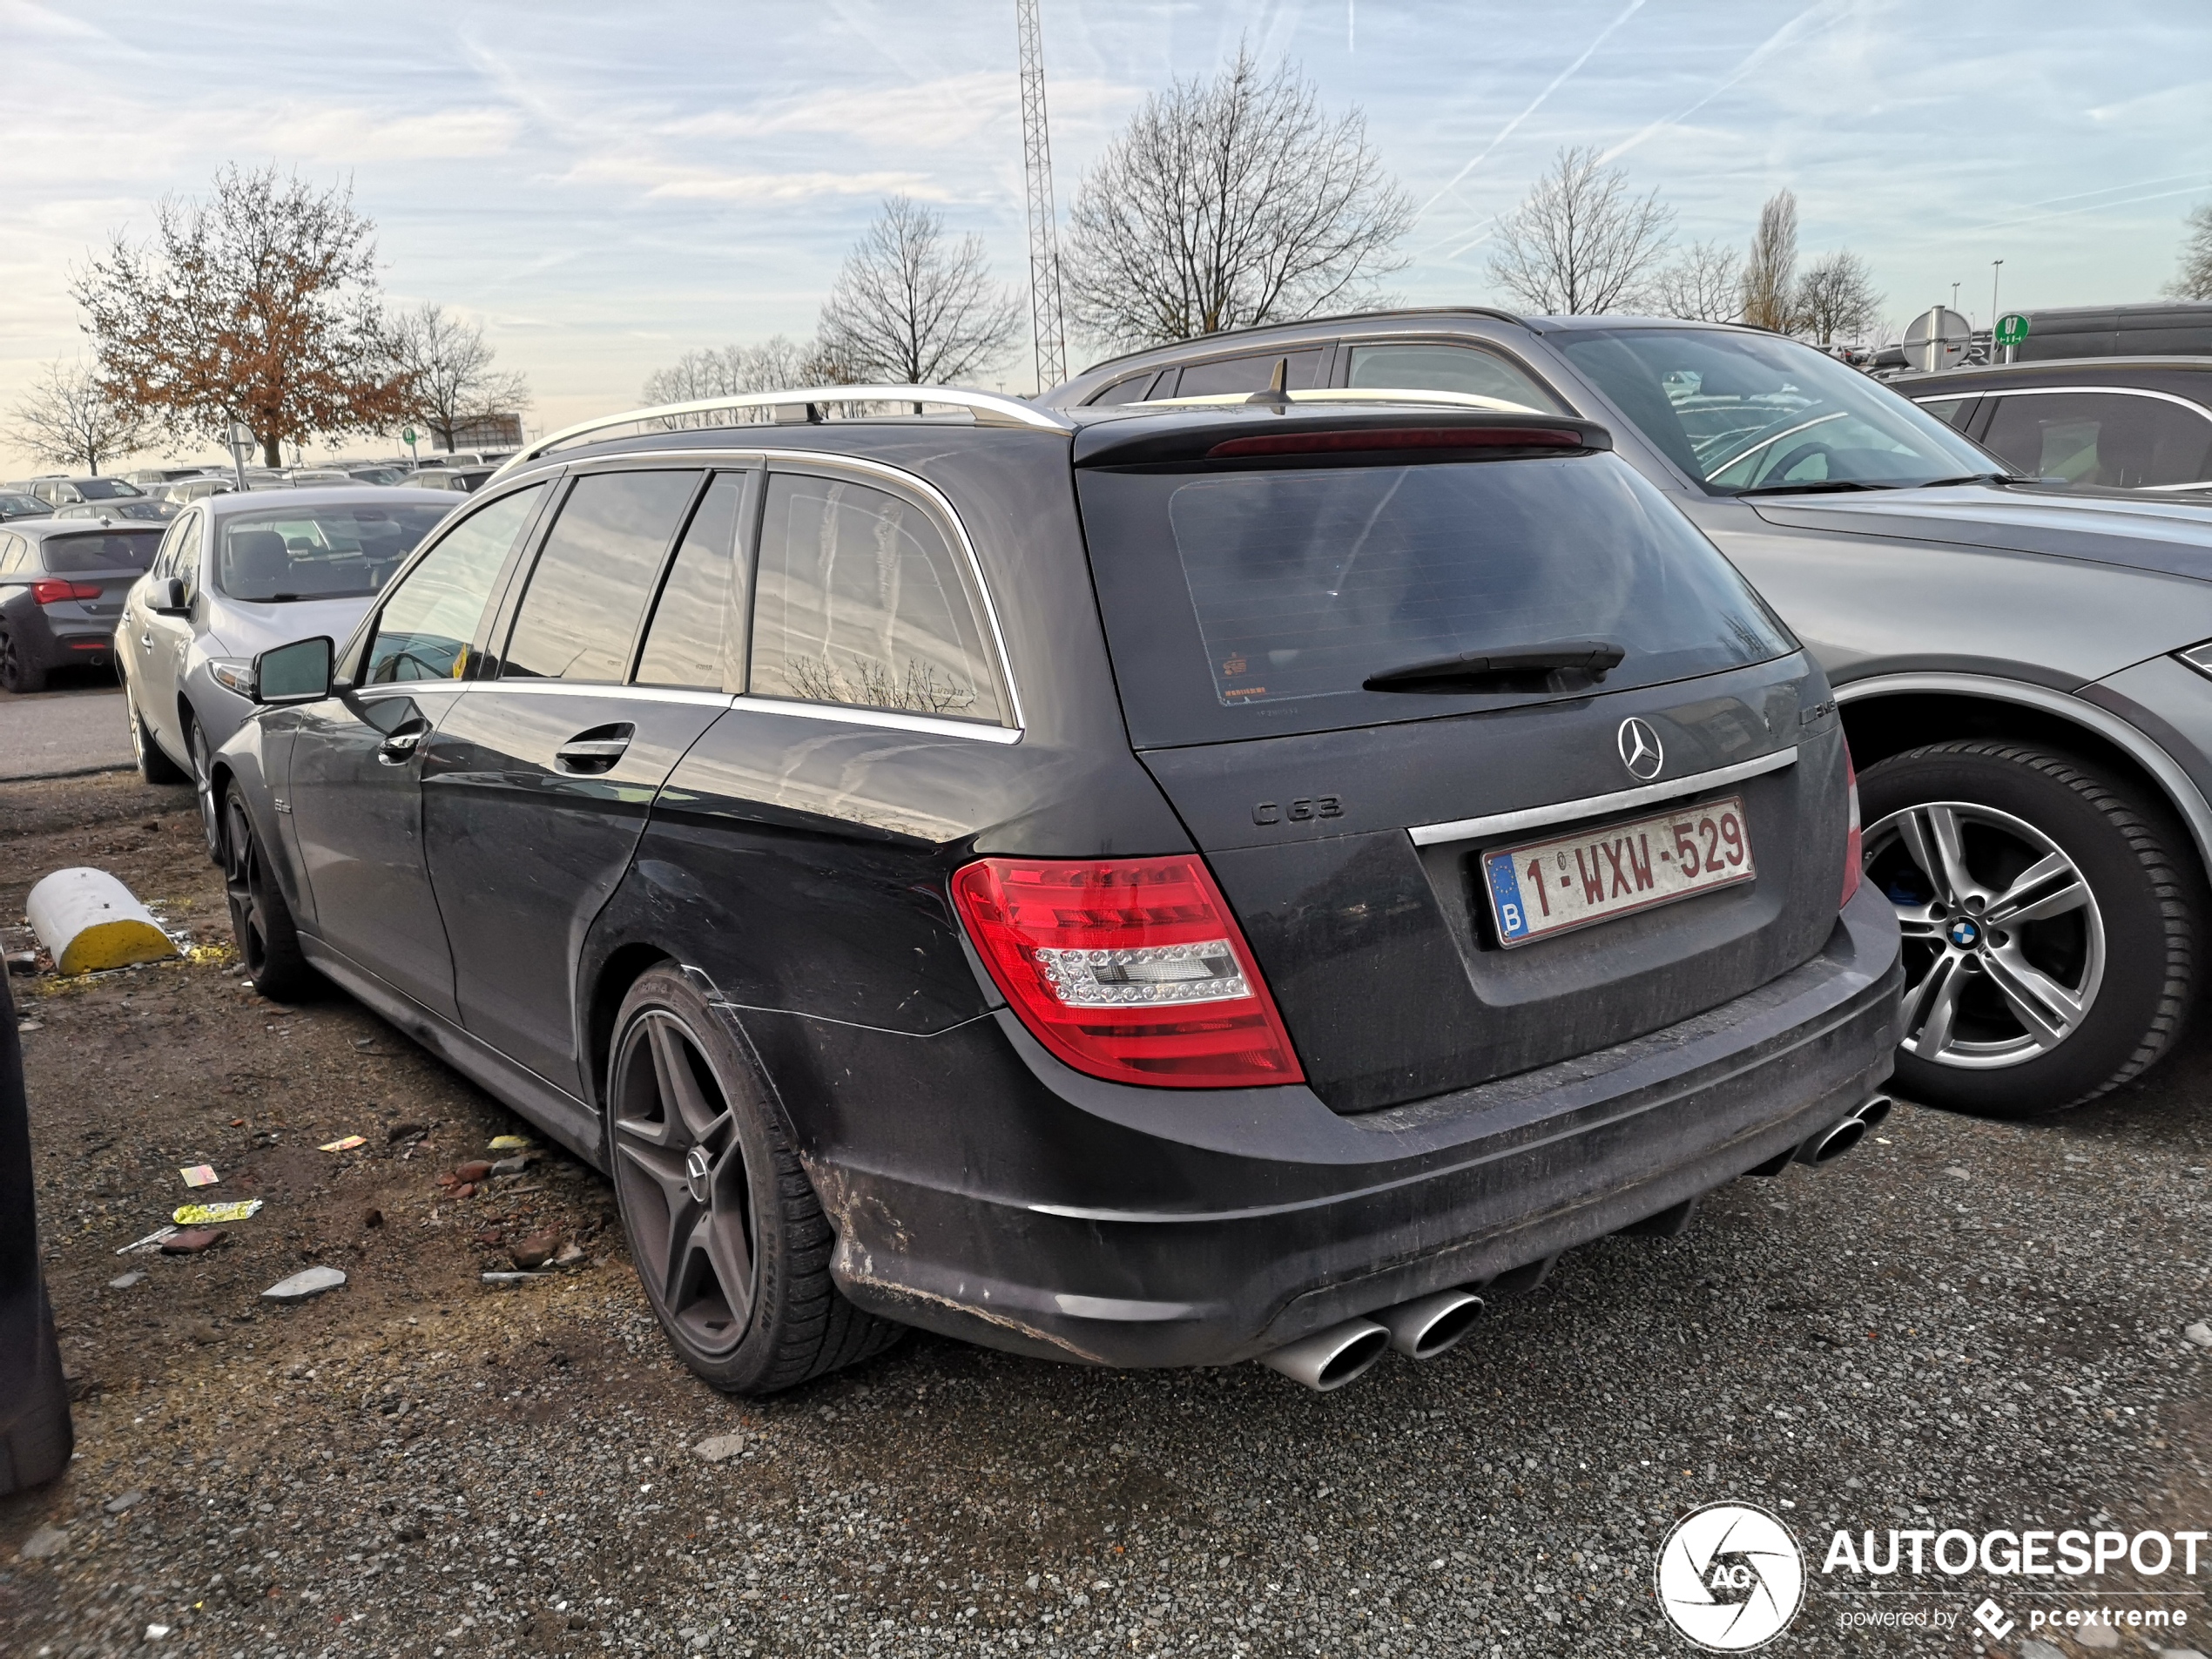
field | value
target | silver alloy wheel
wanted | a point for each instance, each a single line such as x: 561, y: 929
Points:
x: 685, y: 1189
x: 2004, y: 943
x: 203, y: 786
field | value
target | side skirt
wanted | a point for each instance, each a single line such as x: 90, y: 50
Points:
x: 567, y: 1119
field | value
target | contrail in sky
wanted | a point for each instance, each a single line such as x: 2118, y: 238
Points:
x: 1759, y: 54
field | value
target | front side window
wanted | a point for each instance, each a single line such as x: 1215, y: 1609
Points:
x: 282, y: 555
x: 581, y: 611
x: 1749, y: 411
x: 430, y: 617
x: 861, y: 601
x: 2109, y: 438
x: 1448, y: 369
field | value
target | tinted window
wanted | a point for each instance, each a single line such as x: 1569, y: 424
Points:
x: 693, y: 639
x: 1448, y: 369
x: 1744, y: 411
x: 1240, y: 604
x: 1131, y: 390
x: 1952, y: 411
x: 103, y: 489
x: 432, y: 615
x: 580, y: 614
x: 861, y: 601
x: 117, y: 550
x: 2102, y: 438
x: 21, y: 505
x: 282, y: 555
x: 1252, y: 374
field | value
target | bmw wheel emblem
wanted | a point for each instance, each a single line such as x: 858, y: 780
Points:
x: 1639, y: 750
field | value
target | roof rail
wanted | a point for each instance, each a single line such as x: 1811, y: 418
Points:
x: 990, y: 408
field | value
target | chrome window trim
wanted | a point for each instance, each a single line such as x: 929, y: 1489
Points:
x: 534, y: 687
x: 890, y: 720
x: 2068, y: 391
x: 1464, y: 829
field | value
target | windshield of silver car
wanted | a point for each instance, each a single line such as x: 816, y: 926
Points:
x: 1748, y: 412
x: 316, y: 552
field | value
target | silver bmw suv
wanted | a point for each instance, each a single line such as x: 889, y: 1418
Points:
x: 2025, y: 677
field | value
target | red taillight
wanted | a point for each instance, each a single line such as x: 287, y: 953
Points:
x: 1130, y: 969
x: 52, y: 593
x: 1854, y: 845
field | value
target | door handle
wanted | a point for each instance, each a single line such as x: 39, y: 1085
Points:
x: 145, y: 640
x: 396, y: 748
x: 594, y: 750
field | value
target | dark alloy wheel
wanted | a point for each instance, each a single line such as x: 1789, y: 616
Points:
x: 17, y: 674
x: 260, y: 920
x: 2050, y: 925
x: 727, y: 1235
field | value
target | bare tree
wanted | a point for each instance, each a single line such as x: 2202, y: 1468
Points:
x: 1835, y: 297
x: 1705, y: 283
x: 1228, y: 204
x: 775, y: 363
x: 908, y: 307
x: 69, y: 416
x: 1770, y: 273
x: 2193, y: 281
x: 259, y: 305
x: 1579, y: 242
x: 450, y: 377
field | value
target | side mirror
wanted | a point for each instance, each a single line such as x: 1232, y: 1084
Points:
x: 299, y: 672
x: 169, y: 597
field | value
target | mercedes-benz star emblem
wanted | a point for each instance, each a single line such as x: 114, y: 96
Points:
x: 1639, y: 750
x: 697, y: 1168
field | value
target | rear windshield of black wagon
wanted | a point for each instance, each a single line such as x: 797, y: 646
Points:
x: 1242, y: 604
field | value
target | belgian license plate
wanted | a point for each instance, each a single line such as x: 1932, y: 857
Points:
x: 1547, y: 887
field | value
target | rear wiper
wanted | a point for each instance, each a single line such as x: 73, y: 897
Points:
x: 1521, y: 668
x: 1818, y: 487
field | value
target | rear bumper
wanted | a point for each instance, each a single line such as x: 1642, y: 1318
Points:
x: 1162, y: 1227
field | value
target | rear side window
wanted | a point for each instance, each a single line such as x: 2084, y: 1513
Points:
x: 693, y: 639
x: 1430, y: 368
x: 585, y: 598
x: 1251, y: 373
x: 1131, y: 390
x: 1241, y: 603
x: 430, y: 617
x: 117, y: 550
x: 2102, y: 438
x: 861, y: 601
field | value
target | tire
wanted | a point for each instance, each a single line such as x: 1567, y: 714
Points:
x: 17, y: 674
x: 154, y: 766
x: 2093, y: 979
x: 202, y: 778
x: 729, y: 1240
x: 260, y: 920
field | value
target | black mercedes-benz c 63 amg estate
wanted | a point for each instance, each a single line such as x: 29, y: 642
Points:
x: 1145, y: 888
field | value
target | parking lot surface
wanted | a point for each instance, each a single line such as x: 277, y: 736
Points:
x: 1963, y: 1325
x: 78, y: 727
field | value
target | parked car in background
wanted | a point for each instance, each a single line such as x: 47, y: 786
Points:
x: 2025, y: 674
x: 2109, y: 422
x: 377, y: 474
x: 146, y: 509
x: 149, y: 478
x: 191, y: 489
x: 63, y: 583
x: 16, y: 503
x: 465, y: 479
x: 300, y: 478
x: 1137, y: 887
x: 67, y: 492
x: 237, y: 573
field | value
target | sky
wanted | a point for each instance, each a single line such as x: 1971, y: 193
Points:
x: 604, y: 188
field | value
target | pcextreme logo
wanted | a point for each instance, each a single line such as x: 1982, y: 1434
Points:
x: 1730, y: 1577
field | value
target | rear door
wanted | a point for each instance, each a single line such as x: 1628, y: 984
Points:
x: 537, y: 782
x: 1359, y: 833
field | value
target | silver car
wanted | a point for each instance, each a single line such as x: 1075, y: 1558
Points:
x: 235, y: 574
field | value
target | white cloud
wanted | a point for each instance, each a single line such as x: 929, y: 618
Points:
x: 938, y: 114
x: 679, y: 181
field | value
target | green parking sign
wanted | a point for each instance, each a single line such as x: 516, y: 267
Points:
x: 2011, y: 329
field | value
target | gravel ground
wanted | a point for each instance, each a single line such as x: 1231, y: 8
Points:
x: 1969, y: 1324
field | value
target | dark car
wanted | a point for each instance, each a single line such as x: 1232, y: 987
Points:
x: 15, y: 503
x: 2108, y: 422
x: 62, y: 582
x: 2025, y: 673
x: 36, y: 1432
x: 1142, y: 889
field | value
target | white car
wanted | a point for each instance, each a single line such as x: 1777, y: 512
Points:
x: 235, y: 574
